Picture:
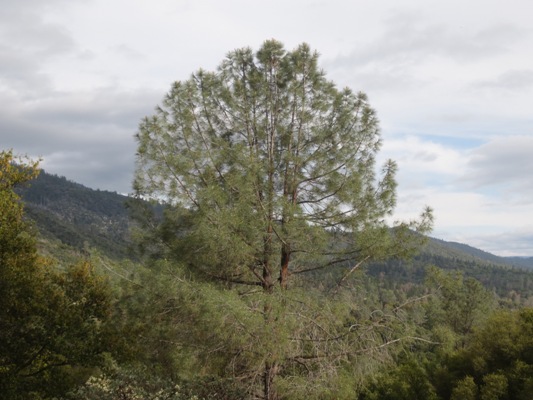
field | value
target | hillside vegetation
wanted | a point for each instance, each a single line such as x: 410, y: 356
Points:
x: 447, y: 309
x: 77, y: 216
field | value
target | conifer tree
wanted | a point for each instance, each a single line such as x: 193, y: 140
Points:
x: 268, y: 171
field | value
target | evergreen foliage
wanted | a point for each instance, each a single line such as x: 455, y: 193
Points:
x: 265, y: 158
x: 268, y: 171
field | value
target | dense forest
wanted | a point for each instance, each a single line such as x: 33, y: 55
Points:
x: 252, y: 262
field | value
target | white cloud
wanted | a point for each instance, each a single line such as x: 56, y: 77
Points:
x: 504, y: 164
x: 508, y: 82
x: 480, y: 196
x: 513, y: 242
x: 27, y: 43
x: 424, y: 159
x: 473, y: 218
x: 86, y: 136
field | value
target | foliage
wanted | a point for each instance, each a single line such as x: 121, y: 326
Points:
x: 52, y: 322
x: 160, y: 330
x: 495, y: 363
x: 409, y: 381
x: 139, y: 383
x: 466, y: 389
x: 462, y: 303
x: 185, y: 330
x: 268, y: 171
x: 264, y: 160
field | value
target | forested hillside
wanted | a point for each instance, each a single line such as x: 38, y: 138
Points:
x: 76, y: 221
x: 83, y: 221
x: 526, y: 262
x: 78, y: 216
x: 429, y: 321
x: 504, y: 276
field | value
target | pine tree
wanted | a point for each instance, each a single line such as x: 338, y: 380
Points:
x: 268, y: 171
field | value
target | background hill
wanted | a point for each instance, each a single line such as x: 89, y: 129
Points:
x: 510, y: 278
x: 75, y: 217
x: 463, y: 251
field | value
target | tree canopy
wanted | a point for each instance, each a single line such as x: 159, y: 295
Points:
x: 266, y: 160
x: 52, y: 322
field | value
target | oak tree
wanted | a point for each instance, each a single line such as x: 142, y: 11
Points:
x: 52, y: 320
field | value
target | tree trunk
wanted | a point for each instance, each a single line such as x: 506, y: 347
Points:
x: 268, y: 284
x: 269, y: 392
x: 284, y: 271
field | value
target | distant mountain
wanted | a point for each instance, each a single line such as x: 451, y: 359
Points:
x: 465, y: 252
x: 525, y: 262
x: 78, y: 216
x: 509, y: 277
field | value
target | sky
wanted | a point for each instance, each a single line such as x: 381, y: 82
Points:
x: 451, y: 81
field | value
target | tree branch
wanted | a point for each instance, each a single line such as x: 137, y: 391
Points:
x: 345, y: 276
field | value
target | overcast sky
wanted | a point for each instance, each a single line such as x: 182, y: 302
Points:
x: 452, y: 82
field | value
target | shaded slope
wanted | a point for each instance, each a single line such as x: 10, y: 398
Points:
x: 78, y: 216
